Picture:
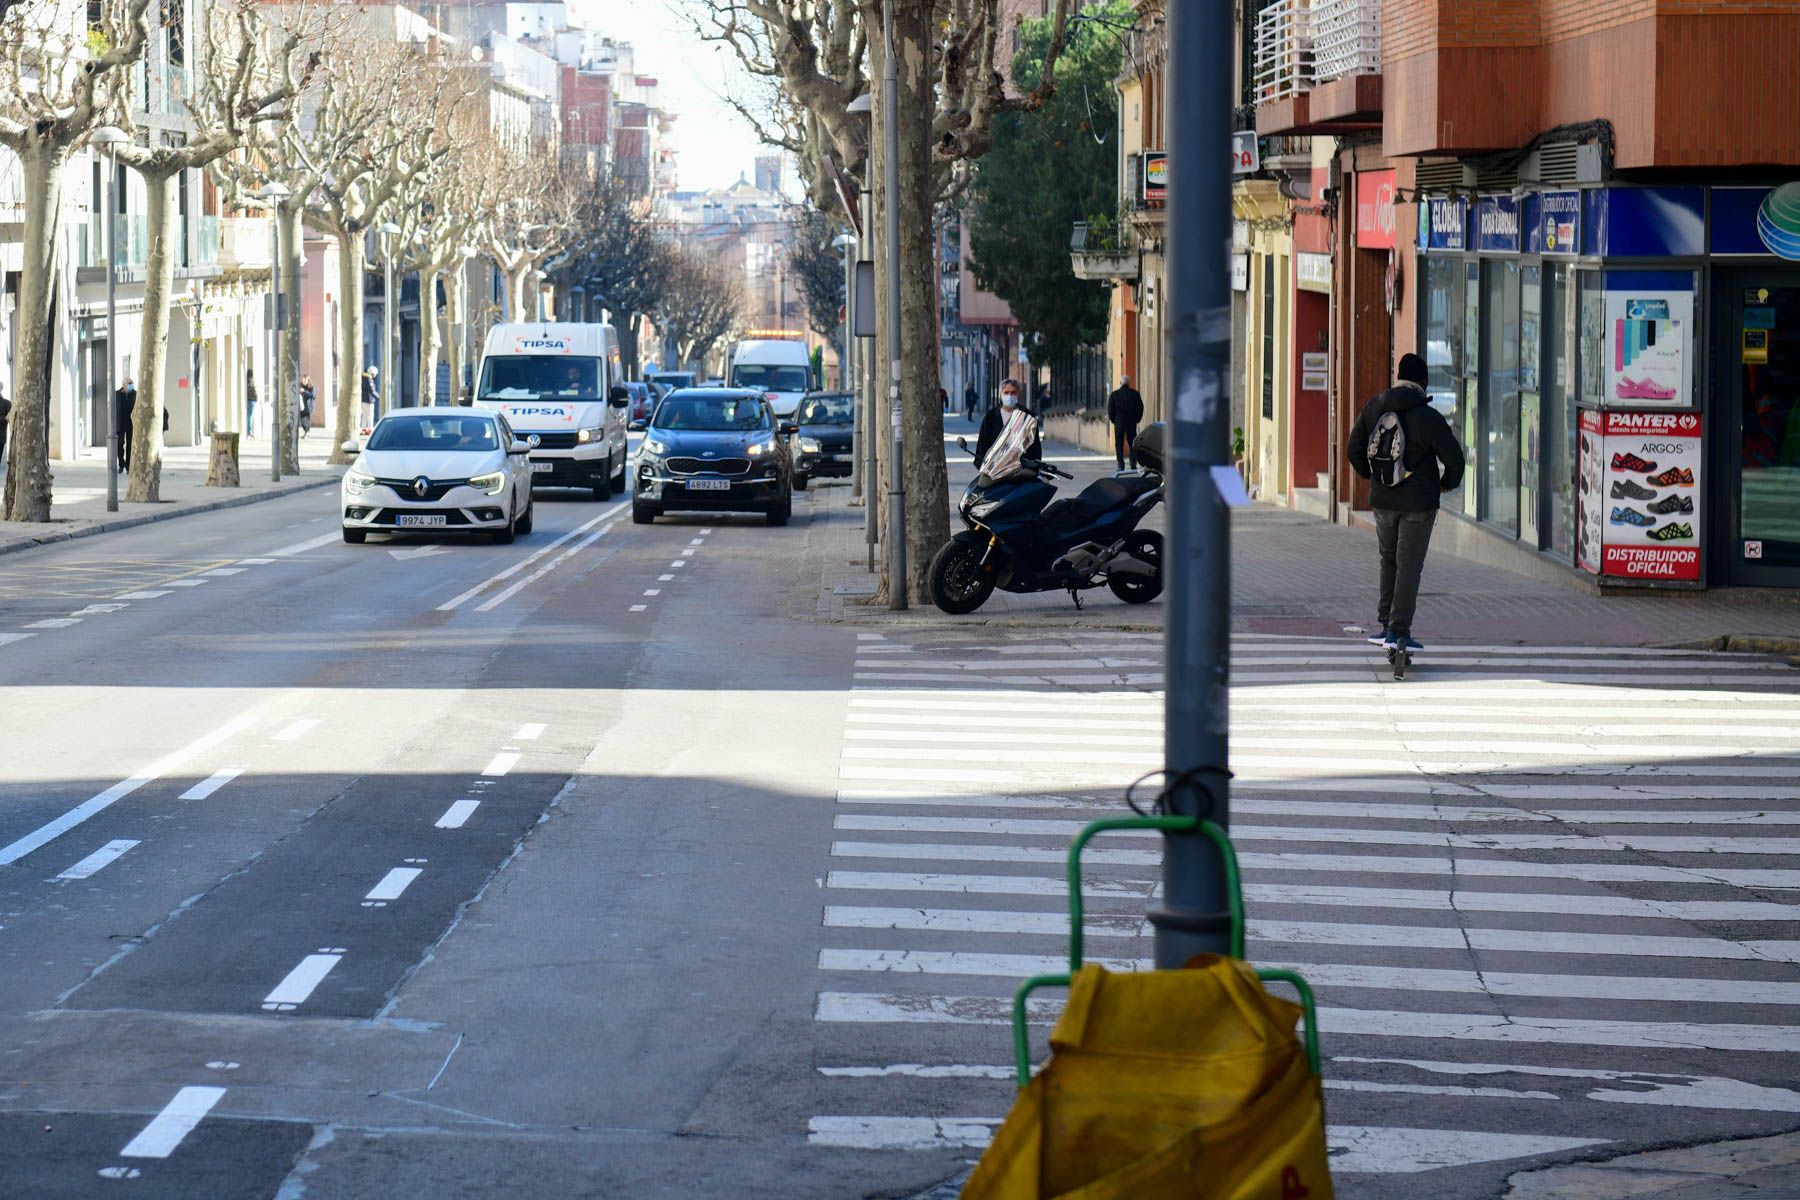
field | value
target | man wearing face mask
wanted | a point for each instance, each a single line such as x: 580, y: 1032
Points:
x: 995, y: 422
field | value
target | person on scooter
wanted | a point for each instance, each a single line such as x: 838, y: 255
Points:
x: 997, y: 419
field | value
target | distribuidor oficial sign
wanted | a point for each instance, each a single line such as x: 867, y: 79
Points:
x: 1641, y: 495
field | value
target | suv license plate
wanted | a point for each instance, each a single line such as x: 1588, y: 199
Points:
x: 840, y: 458
x: 421, y: 519
x: 709, y: 485
x: 542, y: 468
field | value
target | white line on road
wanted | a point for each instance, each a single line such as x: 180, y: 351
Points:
x: 393, y: 885
x: 47, y: 833
x: 184, y: 583
x: 255, y: 562
x: 293, y: 991
x: 102, y: 857
x: 177, y: 1119
x: 502, y: 597
x: 458, y: 814
x: 139, y: 595
x: 500, y: 764
x: 678, y: 563
x: 529, y: 733
x: 688, y: 553
x: 212, y: 783
x: 219, y: 571
x: 696, y: 542
x: 705, y: 532
x: 652, y: 591
x: 54, y: 623
x: 297, y: 730
x: 7, y: 639
x: 638, y: 607
x: 664, y: 578
x: 515, y: 568
x: 93, y: 610
x: 303, y: 547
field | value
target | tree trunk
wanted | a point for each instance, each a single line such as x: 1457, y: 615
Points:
x: 456, y: 316
x: 28, y: 477
x: 144, y: 471
x: 428, y: 335
x: 628, y: 343
x: 516, y: 278
x: 350, y: 343
x: 288, y: 214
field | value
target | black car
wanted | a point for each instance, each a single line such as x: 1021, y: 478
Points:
x: 826, y: 444
x: 714, y: 450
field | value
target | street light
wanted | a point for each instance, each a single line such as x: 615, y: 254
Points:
x: 109, y: 138
x: 890, y: 120
x: 537, y: 280
x: 272, y: 194
x: 390, y: 234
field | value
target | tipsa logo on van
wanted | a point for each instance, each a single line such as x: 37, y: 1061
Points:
x: 542, y: 345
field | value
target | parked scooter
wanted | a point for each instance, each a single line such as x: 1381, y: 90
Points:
x: 1020, y: 538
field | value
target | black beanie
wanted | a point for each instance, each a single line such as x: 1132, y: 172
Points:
x: 1413, y: 370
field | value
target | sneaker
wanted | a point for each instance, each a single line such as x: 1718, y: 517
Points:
x: 1406, y: 643
x: 1624, y: 514
x: 1644, y: 389
x: 1632, y: 463
x: 1674, y: 477
x: 1673, y: 533
x: 1377, y: 639
x: 1630, y: 489
x: 1672, y: 504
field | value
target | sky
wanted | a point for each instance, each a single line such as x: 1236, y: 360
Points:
x: 716, y: 144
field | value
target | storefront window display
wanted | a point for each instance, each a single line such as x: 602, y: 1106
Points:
x: 1530, y: 427
x: 1559, y: 426
x: 1499, y: 444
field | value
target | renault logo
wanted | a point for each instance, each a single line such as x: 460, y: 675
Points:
x: 421, y: 485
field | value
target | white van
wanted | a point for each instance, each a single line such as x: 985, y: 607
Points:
x: 559, y: 386
x: 779, y: 368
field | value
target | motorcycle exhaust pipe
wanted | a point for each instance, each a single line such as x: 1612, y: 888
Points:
x: 1125, y: 564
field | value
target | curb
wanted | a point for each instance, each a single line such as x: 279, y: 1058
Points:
x: 1731, y: 1167
x: 68, y: 535
x: 1741, y: 643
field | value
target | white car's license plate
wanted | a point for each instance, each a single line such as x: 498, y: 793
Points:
x: 709, y: 485
x: 542, y: 468
x: 421, y: 519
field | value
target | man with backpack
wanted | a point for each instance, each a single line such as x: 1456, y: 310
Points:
x: 1397, y: 444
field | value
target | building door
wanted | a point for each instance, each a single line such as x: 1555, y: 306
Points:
x: 1757, y: 444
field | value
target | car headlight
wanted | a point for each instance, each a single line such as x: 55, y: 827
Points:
x: 809, y: 445
x: 584, y: 436
x: 493, y: 484
x: 357, y: 482
x: 758, y: 449
x: 652, y: 446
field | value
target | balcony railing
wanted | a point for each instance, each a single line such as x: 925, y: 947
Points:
x: 1284, y: 50
x: 1346, y: 38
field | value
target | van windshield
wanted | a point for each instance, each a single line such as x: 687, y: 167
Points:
x: 770, y: 379
x: 535, y: 377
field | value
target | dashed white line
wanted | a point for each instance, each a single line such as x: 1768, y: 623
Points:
x: 102, y: 857
x: 185, y: 583
x: 500, y: 764
x: 54, y: 623
x: 458, y: 814
x: 509, y: 572
x: 678, y: 563
x: 502, y: 597
x: 8, y: 638
x: 529, y: 733
x: 688, y: 553
x: 96, y: 609
x: 254, y: 562
x: 212, y: 783
x: 392, y: 886
x: 705, y: 532
x: 297, y: 730
x: 303, y: 547
x: 652, y: 591
x: 139, y: 595
x: 293, y: 991
x: 664, y: 578
x: 177, y: 1119
x: 217, y: 571
x: 639, y: 607
x: 696, y: 542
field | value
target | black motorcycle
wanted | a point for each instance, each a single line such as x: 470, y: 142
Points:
x: 1021, y: 538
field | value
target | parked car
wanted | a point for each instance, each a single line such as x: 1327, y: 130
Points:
x: 643, y: 400
x: 714, y: 450
x: 438, y: 470
x: 669, y: 380
x: 825, y: 443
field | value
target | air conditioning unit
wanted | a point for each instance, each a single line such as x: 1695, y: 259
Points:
x: 1443, y: 178
x: 1562, y: 164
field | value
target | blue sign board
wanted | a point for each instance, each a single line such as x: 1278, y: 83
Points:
x: 1497, y: 225
x: 1757, y: 220
x: 1553, y: 223
x: 1443, y: 224
x: 1660, y: 222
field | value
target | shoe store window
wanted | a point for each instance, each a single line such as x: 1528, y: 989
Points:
x: 1498, y: 445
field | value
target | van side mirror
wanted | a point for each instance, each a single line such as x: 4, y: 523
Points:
x: 619, y: 397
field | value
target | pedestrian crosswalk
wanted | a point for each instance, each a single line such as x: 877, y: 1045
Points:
x: 1546, y: 895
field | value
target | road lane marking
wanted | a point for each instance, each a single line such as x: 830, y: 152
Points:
x: 664, y: 578
x: 105, y: 855
x: 652, y: 591
x: 196, y: 581
x: 500, y: 764
x: 297, y: 730
x: 139, y: 595
x: 212, y: 783
x: 1642, y: 1087
x: 638, y: 607
x: 688, y: 553
x: 500, y: 598
x: 303, y: 547
x: 49, y: 832
x: 515, y: 568
x: 680, y: 562
x: 293, y: 991
x: 696, y: 542
x: 54, y: 623
x: 217, y: 571
x: 529, y: 733
x: 177, y: 1119
x: 9, y: 638
x: 392, y: 886
x: 96, y: 609
x: 255, y: 562
x: 458, y: 814
x: 705, y: 532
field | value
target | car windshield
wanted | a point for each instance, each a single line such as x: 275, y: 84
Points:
x: 827, y: 410
x: 534, y: 377
x: 717, y: 414
x: 770, y: 379
x: 462, y: 432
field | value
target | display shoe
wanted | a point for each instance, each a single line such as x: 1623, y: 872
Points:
x: 1674, y: 477
x: 1632, y: 463
x: 1627, y: 515
x: 1672, y: 504
x: 1644, y: 389
x: 1674, y: 533
x: 1630, y: 489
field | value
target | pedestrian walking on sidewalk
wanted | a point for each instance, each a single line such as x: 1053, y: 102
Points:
x: 969, y: 399
x: 124, y: 404
x: 249, y: 401
x: 369, y: 398
x: 307, y: 395
x: 1125, y: 409
x: 1398, y: 444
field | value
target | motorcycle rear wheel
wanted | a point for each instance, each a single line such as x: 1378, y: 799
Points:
x: 1146, y: 545
x: 959, y: 583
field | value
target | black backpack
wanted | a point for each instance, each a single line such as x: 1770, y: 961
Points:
x: 1387, y: 450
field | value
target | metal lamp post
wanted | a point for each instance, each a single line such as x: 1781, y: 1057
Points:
x: 845, y: 244
x: 108, y: 137
x: 890, y: 120
x: 469, y: 254
x: 390, y: 311
x: 273, y: 194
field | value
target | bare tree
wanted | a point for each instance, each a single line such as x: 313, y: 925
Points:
x: 439, y: 210
x: 54, y: 72
x: 616, y: 252
x: 701, y: 303
x: 534, y: 220
x: 240, y: 82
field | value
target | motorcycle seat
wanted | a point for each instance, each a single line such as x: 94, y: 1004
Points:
x: 1099, y: 497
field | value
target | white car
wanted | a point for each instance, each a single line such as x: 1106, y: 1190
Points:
x: 442, y: 470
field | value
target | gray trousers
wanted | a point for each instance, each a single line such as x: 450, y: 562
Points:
x: 1404, y: 538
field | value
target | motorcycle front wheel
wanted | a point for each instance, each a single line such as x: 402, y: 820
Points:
x: 959, y: 583
x: 1146, y: 545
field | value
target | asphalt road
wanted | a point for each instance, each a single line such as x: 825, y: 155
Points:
x: 579, y: 867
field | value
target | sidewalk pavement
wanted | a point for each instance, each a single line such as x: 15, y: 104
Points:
x: 1297, y: 574
x: 1733, y: 1170
x: 78, y: 505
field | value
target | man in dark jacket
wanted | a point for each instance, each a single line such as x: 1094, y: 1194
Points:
x: 124, y: 404
x: 1124, y: 408
x: 995, y: 421
x: 1401, y: 460
x: 5, y: 422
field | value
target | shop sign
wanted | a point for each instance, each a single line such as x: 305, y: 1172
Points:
x: 1240, y: 272
x: 1155, y: 185
x: 1312, y: 272
x: 1557, y: 229
x: 1443, y: 224
x: 1642, y: 492
x: 1246, y: 152
x: 1497, y: 225
x: 1375, y: 210
x: 1644, y: 222
x: 1757, y: 221
x: 1647, y: 333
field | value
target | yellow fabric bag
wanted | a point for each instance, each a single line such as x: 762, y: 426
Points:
x: 1166, y: 1084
